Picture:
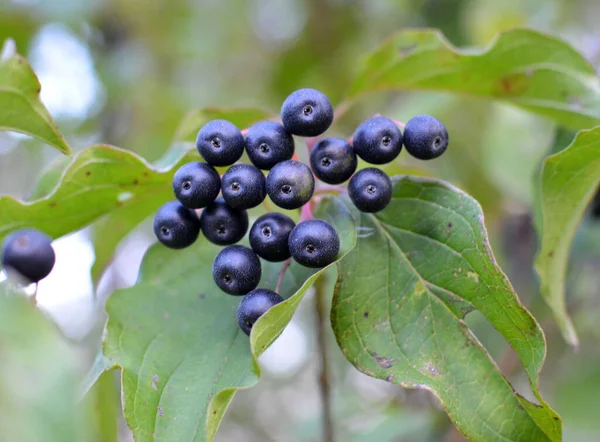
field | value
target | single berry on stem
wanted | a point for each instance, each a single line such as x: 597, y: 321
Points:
x: 237, y: 270
x: 254, y: 305
x: 29, y: 253
x: 222, y: 224
x: 333, y: 160
x: 370, y: 190
x: 196, y: 185
x: 176, y: 226
x: 268, y: 143
x: 290, y: 184
x: 269, y: 236
x: 377, y: 140
x: 220, y: 143
x: 243, y: 186
x: 307, y: 113
x: 425, y: 137
x: 314, y: 243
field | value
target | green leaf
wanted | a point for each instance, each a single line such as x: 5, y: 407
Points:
x: 176, y: 339
x: 38, y: 389
x: 99, y: 180
x: 241, y: 117
x: 569, y: 181
x: 20, y: 107
x: 418, y: 268
x: 534, y: 71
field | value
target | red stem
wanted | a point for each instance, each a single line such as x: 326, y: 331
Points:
x: 284, y: 267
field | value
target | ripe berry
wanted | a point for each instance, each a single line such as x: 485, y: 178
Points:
x: 253, y: 306
x: 268, y: 143
x: 222, y: 224
x: 290, y: 184
x: 377, y: 140
x: 176, y: 226
x: 269, y: 236
x: 196, y: 185
x: 425, y: 137
x: 314, y: 243
x: 243, y: 186
x: 370, y: 190
x: 307, y: 112
x: 220, y: 143
x: 333, y: 160
x: 237, y: 270
x: 29, y: 252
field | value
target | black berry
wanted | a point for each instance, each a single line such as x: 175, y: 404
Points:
x: 268, y: 143
x: 176, y: 226
x: 314, y: 243
x: 290, y: 184
x: 333, y: 160
x: 237, y: 270
x: 29, y: 253
x: 220, y: 143
x: 377, y: 140
x: 196, y: 185
x: 243, y: 186
x: 307, y: 112
x: 222, y: 224
x: 425, y: 137
x: 269, y: 236
x: 370, y: 190
x: 253, y: 306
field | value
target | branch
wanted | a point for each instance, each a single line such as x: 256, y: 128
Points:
x: 324, y: 387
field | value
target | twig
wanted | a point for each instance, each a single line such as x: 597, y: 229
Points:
x: 324, y: 387
x: 306, y: 212
x: 34, y: 296
x: 400, y: 123
x: 330, y: 189
x: 284, y: 267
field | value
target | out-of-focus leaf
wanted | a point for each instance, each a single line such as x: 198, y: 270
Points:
x: 418, y: 268
x: 99, y: 180
x: 176, y: 338
x: 569, y: 180
x: 537, y: 72
x: 20, y: 107
x: 38, y: 376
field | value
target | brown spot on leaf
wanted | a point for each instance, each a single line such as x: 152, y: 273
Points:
x: 366, y: 314
x: 202, y: 296
x: 88, y: 173
x: 53, y: 204
x: 136, y: 182
x: 551, y: 254
x: 511, y: 85
x: 449, y: 225
x: 390, y: 378
x: 383, y: 362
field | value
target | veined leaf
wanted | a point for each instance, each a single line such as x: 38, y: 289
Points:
x: 569, y: 180
x: 419, y: 266
x: 534, y: 71
x: 176, y: 339
x: 20, y: 107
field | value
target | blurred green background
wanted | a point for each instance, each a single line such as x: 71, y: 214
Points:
x: 126, y: 72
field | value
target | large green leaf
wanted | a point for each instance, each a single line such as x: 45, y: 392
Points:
x: 175, y: 337
x: 569, y: 181
x: 537, y: 72
x: 100, y: 179
x: 241, y: 117
x: 418, y: 268
x: 20, y: 107
x: 38, y: 376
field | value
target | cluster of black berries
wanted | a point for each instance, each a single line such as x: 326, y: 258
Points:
x: 289, y: 184
x: 29, y: 253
